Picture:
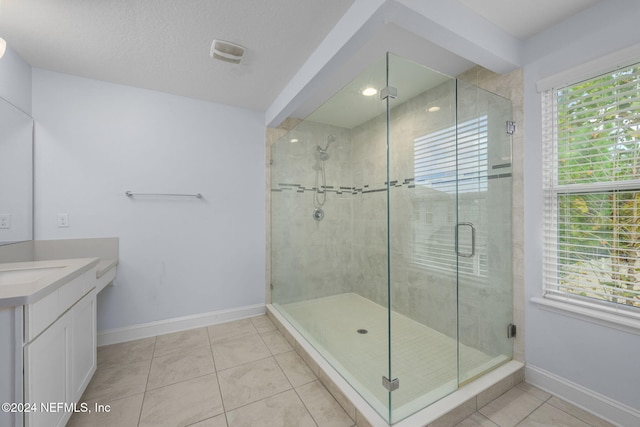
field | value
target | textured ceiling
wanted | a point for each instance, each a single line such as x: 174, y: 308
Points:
x: 524, y: 18
x: 164, y: 44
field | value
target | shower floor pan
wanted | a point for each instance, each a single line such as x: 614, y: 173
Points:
x: 423, y: 359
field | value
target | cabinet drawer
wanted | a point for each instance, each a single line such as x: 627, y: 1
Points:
x: 42, y: 313
x: 71, y: 292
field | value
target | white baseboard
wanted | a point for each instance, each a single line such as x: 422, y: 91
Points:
x: 151, y: 329
x: 608, y: 409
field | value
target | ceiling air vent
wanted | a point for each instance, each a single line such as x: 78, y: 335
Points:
x: 227, y: 51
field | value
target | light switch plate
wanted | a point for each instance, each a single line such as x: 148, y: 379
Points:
x: 5, y: 220
x: 63, y: 220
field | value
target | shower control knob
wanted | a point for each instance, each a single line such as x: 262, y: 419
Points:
x: 318, y: 214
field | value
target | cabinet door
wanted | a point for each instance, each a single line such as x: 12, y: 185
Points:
x: 83, y: 344
x: 47, y: 367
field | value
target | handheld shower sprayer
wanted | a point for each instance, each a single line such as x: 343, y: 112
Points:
x: 330, y: 140
x: 323, y: 151
x: 320, y: 196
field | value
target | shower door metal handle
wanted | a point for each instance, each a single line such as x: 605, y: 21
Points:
x: 473, y: 240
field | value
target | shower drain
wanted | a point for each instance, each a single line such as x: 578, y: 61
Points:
x: 362, y: 331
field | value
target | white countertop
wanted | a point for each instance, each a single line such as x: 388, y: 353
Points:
x: 104, y: 265
x: 28, y: 291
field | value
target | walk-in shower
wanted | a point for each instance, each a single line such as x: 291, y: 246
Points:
x: 405, y: 286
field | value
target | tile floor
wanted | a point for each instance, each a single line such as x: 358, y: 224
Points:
x: 245, y: 373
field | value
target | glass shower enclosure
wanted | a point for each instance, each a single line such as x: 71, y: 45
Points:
x: 391, y: 233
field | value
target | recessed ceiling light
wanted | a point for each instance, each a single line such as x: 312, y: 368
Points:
x: 369, y: 91
x: 294, y: 140
x: 3, y: 47
x: 433, y: 109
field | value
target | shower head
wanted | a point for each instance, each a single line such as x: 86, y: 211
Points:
x: 330, y: 140
x: 322, y: 152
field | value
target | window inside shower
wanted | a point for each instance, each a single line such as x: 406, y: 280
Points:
x: 451, y: 161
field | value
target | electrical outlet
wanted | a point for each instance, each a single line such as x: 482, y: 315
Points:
x: 5, y: 220
x: 63, y: 220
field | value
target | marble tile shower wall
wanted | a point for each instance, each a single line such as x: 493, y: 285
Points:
x: 411, y: 293
x: 369, y: 148
x: 310, y: 259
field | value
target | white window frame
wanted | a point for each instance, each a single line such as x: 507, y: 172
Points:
x: 593, y: 310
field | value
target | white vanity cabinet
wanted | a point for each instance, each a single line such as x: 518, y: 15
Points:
x: 47, y: 367
x: 59, y: 351
x: 83, y: 344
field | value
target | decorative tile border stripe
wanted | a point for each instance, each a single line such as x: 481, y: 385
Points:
x: 407, y: 182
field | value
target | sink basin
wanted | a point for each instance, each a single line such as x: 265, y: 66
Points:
x: 25, y: 275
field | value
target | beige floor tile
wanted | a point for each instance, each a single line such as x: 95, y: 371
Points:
x: 276, y: 342
x: 361, y: 420
x: 456, y: 415
x: 324, y: 409
x: 115, y: 382
x: 477, y: 420
x: 251, y: 382
x: 178, y: 342
x: 230, y: 329
x: 295, y: 369
x: 510, y: 408
x: 534, y: 391
x: 121, y: 412
x: 337, y: 394
x: 237, y: 350
x: 548, y: 415
x: 218, y: 421
x: 495, y: 391
x: 178, y: 367
x: 126, y: 352
x: 178, y: 371
x: 578, y: 413
x: 282, y: 410
x: 183, y: 403
x: 263, y: 324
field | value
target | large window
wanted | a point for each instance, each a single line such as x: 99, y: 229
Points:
x: 592, y: 191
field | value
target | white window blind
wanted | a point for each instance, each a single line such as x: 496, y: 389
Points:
x: 455, y: 158
x: 591, y: 155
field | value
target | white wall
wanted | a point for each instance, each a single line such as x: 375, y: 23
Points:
x: 595, y: 358
x: 178, y: 257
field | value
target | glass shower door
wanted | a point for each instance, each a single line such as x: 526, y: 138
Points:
x: 484, y: 230
x: 422, y: 224
x: 449, y: 234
